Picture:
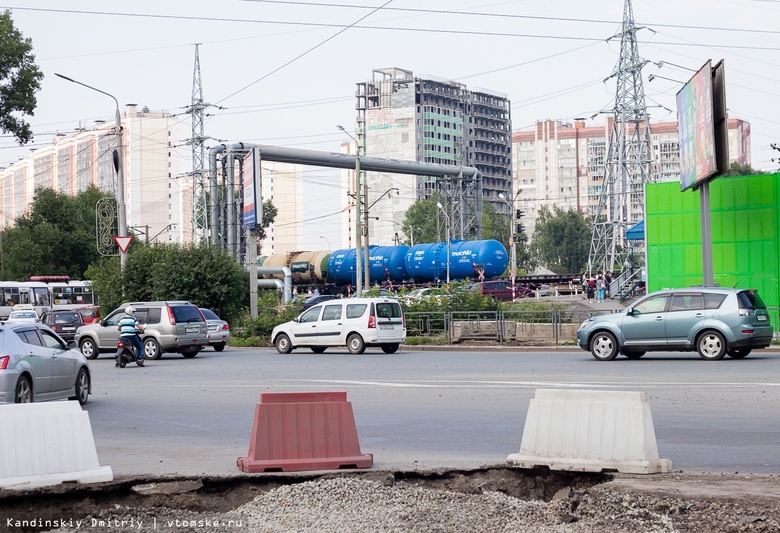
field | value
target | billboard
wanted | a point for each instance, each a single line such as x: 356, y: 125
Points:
x: 252, y: 212
x: 696, y: 129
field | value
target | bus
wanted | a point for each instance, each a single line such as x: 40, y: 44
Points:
x: 71, y: 294
x: 36, y: 293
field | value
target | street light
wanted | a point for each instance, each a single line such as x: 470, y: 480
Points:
x: 326, y: 240
x: 358, y: 228
x: 512, y: 246
x: 447, y: 217
x: 121, y: 210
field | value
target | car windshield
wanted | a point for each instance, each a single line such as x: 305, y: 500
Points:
x: 209, y: 314
x: 186, y: 313
x: 750, y: 300
x: 66, y: 318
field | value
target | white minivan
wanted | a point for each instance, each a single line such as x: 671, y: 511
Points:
x: 356, y: 323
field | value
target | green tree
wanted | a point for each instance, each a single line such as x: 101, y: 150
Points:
x: 737, y: 169
x: 20, y: 79
x: 561, y: 240
x: 420, y: 221
x: 269, y: 215
x: 56, y: 236
x: 203, y: 274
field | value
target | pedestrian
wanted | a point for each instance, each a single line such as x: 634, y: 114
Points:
x: 600, y: 288
x: 607, y: 283
x: 591, y: 289
x: 584, y: 286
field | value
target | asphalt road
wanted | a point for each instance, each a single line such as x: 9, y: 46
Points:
x: 426, y: 409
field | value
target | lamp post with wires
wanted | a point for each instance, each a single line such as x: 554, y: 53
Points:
x: 447, y: 218
x: 512, y: 244
x: 358, y: 222
x: 121, y: 209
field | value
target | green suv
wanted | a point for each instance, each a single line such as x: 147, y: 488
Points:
x: 173, y: 326
x: 713, y: 321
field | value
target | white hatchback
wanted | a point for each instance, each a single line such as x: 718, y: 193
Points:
x: 356, y: 323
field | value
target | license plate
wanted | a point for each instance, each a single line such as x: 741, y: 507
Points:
x: 66, y: 328
x: 761, y: 318
x: 386, y: 326
x: 192, y: 329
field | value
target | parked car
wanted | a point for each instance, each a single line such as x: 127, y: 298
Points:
x: 714, y: 321
x: 63, y: 322
x: 219, y: 330
x: 37, y: 365
x: 352, y: 322
x: 502, y: 290
x: 314, y: 300
x: 170, y: 326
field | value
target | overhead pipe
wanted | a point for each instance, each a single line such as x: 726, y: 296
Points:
x: 214, y: 218
x: 287, y: 291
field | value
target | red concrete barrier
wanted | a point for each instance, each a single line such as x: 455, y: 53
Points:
x: 294, y: 431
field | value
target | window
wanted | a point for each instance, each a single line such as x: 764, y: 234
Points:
x: 713, y: 301
x: 50, y: 341
x: 29, y: 336
x: 687, y: 302
x: 388, y: 310
x: 655, y: 304
x: 332, y: 312
x: 311, y: 315
x: 356, y: 310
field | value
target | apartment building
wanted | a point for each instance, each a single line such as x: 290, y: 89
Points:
x: 427, y: 119
x: 563, y: 163
x: 157, y: 199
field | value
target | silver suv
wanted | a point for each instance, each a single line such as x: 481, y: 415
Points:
x: 176, y: 326
x: 713, y: 321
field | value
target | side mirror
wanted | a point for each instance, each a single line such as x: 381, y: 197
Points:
x: 630, y: 311
x: 296, y: 319
x: 71, y: 344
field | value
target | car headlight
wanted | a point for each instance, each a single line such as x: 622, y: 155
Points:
x: 584, y: 323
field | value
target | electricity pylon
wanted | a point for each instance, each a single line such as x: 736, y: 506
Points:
x: 628, y: 162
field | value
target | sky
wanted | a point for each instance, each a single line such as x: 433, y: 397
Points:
x: 283, y: 73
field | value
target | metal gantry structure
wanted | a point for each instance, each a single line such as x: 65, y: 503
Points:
x: 198, y: 199
x: 628, y: 161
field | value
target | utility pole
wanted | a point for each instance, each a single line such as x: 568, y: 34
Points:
x: 628, y: 160
x: 358, y: 221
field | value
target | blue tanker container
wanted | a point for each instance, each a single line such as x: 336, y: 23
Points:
x: 341, y: 266
x: 384, y: 261
x: 428, y: 262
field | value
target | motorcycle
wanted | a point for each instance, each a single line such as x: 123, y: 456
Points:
x: 126, y: 353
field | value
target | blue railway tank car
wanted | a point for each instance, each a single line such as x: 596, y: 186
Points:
x: 428, y: 262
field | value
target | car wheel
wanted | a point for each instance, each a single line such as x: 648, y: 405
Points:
x: 89, y: 348
x: 23, y: 392
x: 152, y: 349
x: 82, y: 387
x: 189, y: 354
x: 390, y: 348
x: 739, y: 353
x: 219, y: 347
x: 283, y: 344
x: 633, y: 355
x: 711, y: 346
x: 355, y: 344
x: 318, y: 349
x: 603, y: 346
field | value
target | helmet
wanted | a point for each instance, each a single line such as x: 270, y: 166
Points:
x: 129, y: 310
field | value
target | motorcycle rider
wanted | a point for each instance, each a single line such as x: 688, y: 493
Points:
x: 128, y: 330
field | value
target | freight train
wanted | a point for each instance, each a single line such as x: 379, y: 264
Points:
x: 421, y: 263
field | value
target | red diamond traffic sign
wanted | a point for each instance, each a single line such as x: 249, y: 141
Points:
x: 123, y: 242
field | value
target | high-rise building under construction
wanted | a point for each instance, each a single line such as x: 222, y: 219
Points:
x: 427, y: 119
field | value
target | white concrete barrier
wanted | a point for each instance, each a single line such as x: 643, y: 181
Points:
x: 590, y: 431
x: 45, y: 444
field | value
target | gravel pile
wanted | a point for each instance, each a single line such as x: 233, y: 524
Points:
x: 355, y: 505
